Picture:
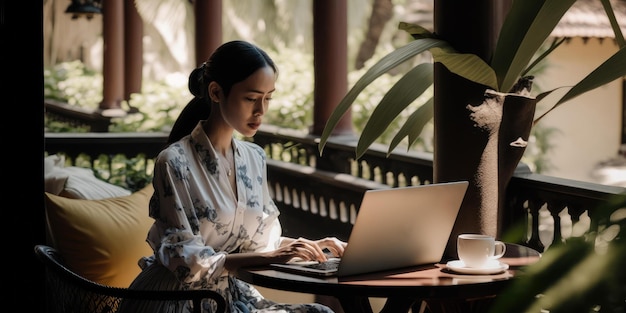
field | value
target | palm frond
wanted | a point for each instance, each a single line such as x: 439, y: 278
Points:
x: 403, y: 93
x: 381, y: 67
x: 525, y: 29
x: 414, y: 125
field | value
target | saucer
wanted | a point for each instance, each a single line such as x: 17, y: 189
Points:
x: 494, y: 267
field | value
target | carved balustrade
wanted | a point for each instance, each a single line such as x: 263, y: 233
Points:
x: 319, y: 194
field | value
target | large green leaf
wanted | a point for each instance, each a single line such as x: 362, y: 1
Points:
x: 558, y: 298
x: 466, y: 65
x: 606, y: 4
x: 403, y: 93
x: 513, y: 30
x: 513, y: 56
x: 414, y: 125
x: 416, y: 31
x: 469, y: 66
x: 538, y: 277
x: 381, y: 67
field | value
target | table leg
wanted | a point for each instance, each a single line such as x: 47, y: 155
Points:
x: 459, y: 305
x: 362, y: 305
x: 396, y: 305
x: 355, y: 304
x: 330, y: 301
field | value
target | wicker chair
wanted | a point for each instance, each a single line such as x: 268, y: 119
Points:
x: 68, y: 292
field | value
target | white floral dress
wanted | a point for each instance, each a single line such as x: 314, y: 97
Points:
x: 198, y: 221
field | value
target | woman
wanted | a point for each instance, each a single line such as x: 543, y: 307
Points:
x: 211, y: 204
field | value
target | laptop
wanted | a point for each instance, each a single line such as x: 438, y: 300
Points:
x: 394, y: 228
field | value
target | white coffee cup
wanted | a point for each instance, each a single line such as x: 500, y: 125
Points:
x: 477, y: 251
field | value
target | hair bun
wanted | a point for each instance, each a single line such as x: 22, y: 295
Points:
x: 196, y: 84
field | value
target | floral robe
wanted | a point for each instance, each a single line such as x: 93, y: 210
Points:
x: 198, y: 221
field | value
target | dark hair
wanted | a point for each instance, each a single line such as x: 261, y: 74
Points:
x: 232, y: 62
x: 196, y: 110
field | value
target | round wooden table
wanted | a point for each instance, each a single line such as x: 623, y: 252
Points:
x: 440, y: 289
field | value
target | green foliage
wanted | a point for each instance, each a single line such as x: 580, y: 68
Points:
x: 158, y: 106
x: 160, y: 103
x: 583, y: 275
x: 130, y: 173
x: 55, y: 126
x: 73, y: 83
x: 368, y: 99
x: 292, y: 103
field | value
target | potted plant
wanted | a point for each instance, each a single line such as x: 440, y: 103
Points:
x: 486, y: 109
x: 483, y: 107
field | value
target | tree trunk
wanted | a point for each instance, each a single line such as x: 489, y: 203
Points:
x: 472, y: 126
x: 382, y: 11
x: 458, y: 154
x: 481, y: 139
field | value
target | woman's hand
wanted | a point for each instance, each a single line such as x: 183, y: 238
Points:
x: 309, y: 250
x: 290, y: 248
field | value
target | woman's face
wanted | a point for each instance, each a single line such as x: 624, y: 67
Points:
x: 248, y: 101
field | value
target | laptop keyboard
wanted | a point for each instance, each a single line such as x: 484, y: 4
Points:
x: 330, y: 264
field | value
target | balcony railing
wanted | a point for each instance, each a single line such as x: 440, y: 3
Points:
x: 319, y: 195
x: 548, y: 206
x: 77, y: 116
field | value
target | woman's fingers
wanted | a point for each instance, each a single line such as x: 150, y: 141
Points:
x: 334, y: 245
x: 310, y: 249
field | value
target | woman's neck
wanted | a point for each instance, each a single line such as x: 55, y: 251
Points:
x: 220, y: 134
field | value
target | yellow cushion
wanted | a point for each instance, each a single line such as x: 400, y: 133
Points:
x: 101, y: 240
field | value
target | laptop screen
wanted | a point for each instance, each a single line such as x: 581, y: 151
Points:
x: 398, y: 227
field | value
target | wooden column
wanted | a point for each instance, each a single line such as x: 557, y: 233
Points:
x: 113, y: 55
x: 208, y: 28
x: 330, y: 54
x: 330, y: 58
x: 133, y: 49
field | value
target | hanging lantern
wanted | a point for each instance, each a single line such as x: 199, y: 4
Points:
x: 86, y: 8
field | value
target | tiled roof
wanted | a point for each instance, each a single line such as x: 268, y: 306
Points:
x: 586, y: 18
